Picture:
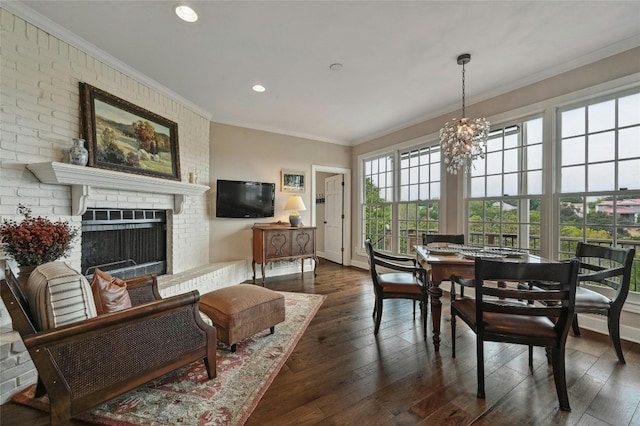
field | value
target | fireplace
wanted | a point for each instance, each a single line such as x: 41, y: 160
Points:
x: 126, y: 243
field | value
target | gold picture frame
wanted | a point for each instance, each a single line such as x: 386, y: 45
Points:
x: 292, y: 181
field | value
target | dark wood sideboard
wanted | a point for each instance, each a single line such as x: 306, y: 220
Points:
x: 277, y: 242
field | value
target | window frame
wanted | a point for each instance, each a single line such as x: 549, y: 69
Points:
x: 523, y: 222
x: 588, y: 195
x: 395, y: 152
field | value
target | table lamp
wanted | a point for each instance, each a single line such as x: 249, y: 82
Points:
x: 295, y: 204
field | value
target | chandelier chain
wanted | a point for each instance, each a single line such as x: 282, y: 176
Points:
x: 463, y: 88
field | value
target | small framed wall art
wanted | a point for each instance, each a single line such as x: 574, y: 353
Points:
x: 292, y: 181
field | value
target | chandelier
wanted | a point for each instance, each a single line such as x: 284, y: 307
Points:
x: 463, y: 140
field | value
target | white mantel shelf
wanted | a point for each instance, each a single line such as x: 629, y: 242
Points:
x: 82, y: 179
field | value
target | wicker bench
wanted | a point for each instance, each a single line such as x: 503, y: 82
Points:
x: 85, y: 363
x: 242, y: 310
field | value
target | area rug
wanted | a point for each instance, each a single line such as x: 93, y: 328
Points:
x: 187, y: 397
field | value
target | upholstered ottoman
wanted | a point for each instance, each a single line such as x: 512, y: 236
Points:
x: 242, y: 310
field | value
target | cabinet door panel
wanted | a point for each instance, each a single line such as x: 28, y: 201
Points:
x: 277, y: 244
x: 303, y: 242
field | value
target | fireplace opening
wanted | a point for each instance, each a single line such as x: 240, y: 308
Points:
x: 126, y: 243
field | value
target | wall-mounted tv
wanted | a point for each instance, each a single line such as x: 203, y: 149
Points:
x: 243, y: 199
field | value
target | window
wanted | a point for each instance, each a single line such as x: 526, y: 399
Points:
x: 505, y: 189
x: 419, y: 195
x: 377, y: 201
x: 401, y: 193
x: 600, y: 146
x: 599, y: 175
x: 569, y: 171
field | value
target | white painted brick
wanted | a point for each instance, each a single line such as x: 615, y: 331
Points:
x: 32, y: 122
x: 43, y: 38
x: 56, y: 86
x: 54, y: 122
x: 28, y: 378
x: 67, y: 101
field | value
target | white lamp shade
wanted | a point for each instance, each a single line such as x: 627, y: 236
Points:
x: 295, y: 203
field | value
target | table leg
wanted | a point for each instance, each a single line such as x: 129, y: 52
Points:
x: 253, y: 266
x: 435, y: 293
x: 263, y: 272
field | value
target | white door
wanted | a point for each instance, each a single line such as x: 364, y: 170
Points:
x: 334, y: 218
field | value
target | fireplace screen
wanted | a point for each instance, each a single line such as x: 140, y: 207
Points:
x: 124, y: 242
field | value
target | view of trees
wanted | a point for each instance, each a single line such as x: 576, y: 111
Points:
x: 377, y: 215
x: 499, y: 218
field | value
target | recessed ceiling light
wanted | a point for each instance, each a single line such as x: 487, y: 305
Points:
x: 186, y: 13
x: 258, y: 88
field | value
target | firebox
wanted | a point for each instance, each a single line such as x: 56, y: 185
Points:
x: 126, y: 243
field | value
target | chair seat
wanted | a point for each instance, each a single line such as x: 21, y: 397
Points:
x: 400, y: 282
x: 517, y: 325
x: 589, y: 299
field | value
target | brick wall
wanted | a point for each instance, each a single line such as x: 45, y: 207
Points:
x: 18, y: 370
x: 40, y: 114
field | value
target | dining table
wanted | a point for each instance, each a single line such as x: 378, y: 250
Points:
x: 444, y: 262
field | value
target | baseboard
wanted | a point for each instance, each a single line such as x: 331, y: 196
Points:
x: 598, y: 324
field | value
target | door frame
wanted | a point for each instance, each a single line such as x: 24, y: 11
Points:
x: 346, y: 223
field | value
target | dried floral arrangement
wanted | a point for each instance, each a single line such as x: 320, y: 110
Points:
x: 36, y: 240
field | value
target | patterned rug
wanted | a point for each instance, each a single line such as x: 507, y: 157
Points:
x: 187, y: 397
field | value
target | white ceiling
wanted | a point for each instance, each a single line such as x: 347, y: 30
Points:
x: 399, y: 58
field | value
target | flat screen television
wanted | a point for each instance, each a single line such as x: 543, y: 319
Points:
x: 241, y: 199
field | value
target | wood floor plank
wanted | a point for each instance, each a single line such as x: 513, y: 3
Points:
x: 341, y: 374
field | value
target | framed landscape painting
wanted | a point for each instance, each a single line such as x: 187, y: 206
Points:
x: 125, y: 137
x: 292, y: 181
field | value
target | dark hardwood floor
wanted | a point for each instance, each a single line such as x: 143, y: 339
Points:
x: 341, y: 374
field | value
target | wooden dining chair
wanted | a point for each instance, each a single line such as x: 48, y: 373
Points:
x: 609, y: 269
x: 502, y: 314
x: 442, y: 238
x: 604, y: 266
x: 404, y: 280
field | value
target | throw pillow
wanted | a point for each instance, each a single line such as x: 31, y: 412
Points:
x: 109, y: 293
x: 58, y: 295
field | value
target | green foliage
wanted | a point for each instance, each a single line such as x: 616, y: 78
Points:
x: 110, y: 153
x: 108, y: 136
x: 569, y: 215
x: 377, y: 215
